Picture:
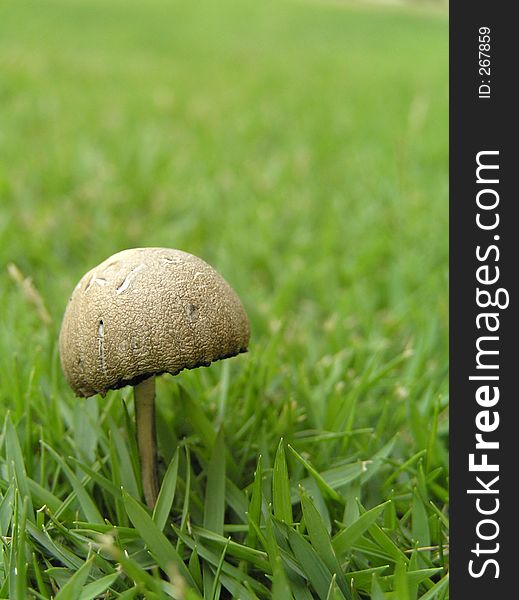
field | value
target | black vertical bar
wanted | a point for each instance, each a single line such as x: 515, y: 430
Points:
x: 483, y: 122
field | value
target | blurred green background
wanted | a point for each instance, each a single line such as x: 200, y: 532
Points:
x: 299, y: 147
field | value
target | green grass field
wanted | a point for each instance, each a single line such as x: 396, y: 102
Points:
x: 300, y: 147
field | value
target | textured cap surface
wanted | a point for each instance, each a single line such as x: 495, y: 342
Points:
x: 148, y: 311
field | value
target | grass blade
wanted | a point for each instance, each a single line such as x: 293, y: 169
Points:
x: 325, y: 488
x: 214, y: 507
x: 72, y: 590
x: 420, y: 523
x: 280, y: 585
x: 311, y: 563
x: 215, y: 594
x: 99, y: 587
x: 166, y: 494
x: 345, y: 539
x: 254, y: 512
x: 87, y: 504
x: 14, y: 457
x: 322, y: 544
x: 156, y: 541
x: 126, y: 471
x: 281, y: 501
x: 432, y: 594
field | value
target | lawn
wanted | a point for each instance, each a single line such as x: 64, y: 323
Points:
x: 299, y: 147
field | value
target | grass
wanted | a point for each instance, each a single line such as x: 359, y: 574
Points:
x: 301, y: 149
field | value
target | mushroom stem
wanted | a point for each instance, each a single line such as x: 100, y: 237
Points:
x: 144, y: 394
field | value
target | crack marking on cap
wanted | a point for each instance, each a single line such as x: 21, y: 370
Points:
x: 128, y: 279
x: 95, y: 279
x: 101, y: 343
x: 192, y: 312
x: 166, y: 260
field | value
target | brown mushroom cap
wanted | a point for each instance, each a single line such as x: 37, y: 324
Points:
x: 145, y: 312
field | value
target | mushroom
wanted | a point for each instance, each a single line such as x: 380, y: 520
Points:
x: 141, y: 313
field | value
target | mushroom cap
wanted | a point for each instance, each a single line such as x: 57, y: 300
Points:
x: 144, y: 312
